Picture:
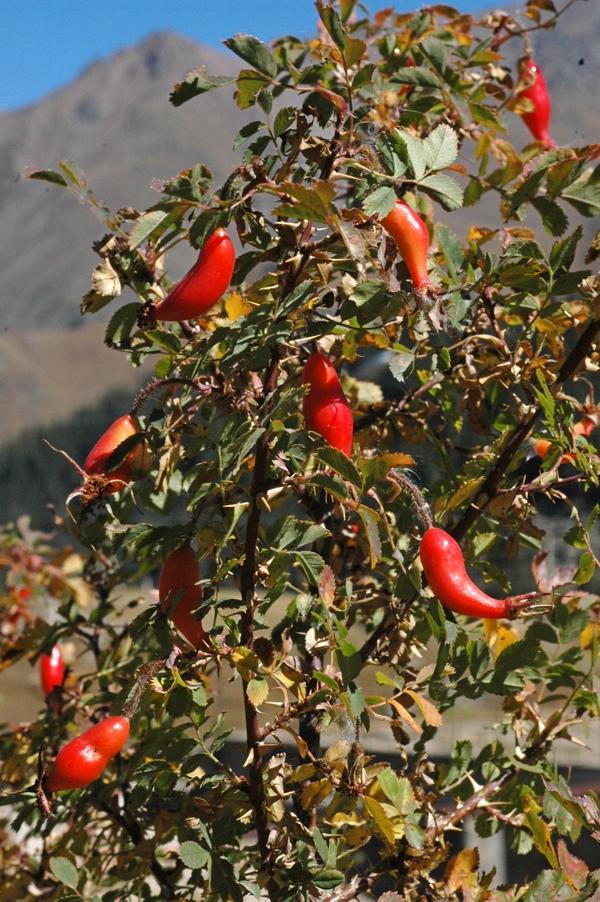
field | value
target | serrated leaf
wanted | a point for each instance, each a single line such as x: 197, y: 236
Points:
x: 563, y: 252
x: 370, y: 523
x: 320, y: 845
x: 382, y: 825
x: 258, y: 691
x: 144, y: 227
x: 441, y: 147
x: 430, y: 713
x: 193, y: 855
x: 254, y: 52
x: 105, y: 280
x: 332, y: 22
x: 354, y: 50
x: 310, y: 203
x: 436, y: 53
x: 540, y: 832
x: 245, y: 662
x: 444, y: 190
x: 585, y: 571
x: 342, y: 465
x: 381, y: 201
x: 312, y: 564
x: 363, y: 77
x: 554, y: 218
x: 400, y: 363
x: 398, y: 791
x: 121, y: 325
x: 195, y: 83
x: 415, y: 151
x: 416, y: 75
x: 64, y: 871
x: 348, y: 660
x: 45, y: 175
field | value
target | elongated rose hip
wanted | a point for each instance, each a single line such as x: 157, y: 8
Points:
x: 444, y: 566
x: 82, y: 760
x: 538, y: 119
x: 204, y: 284
x: 412, y: 240
x: 52, y: 670
x: 136, y: 464
x: 180, y: 594
x: 326, y: 408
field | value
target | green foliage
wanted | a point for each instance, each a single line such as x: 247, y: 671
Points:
x: 317, y: 614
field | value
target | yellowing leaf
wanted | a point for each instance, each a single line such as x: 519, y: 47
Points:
x: 461, y: 870
x: 587, y: 634
x: 432, y: 716
x: 245, y: 662
x: 258, y: 691
x: 302, y: 773
x: 506, y: 637
x: 405, y: 716
x: 382, y: 825
x: 82, y: 592
x: 236, y: 306
x: 315, y: 793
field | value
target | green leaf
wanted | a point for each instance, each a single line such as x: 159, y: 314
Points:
x: 249, y: 83
x: 312, y: 564
x: 64, y: 871
x: 196, y: 83
x: 144, y: 227
x: 444, y: 190
x: 191, y: 184
x: 369, y: 519
x: 563, y: 252
x: 348, y: 660
x: 327, y: 878
x: 121, y: 325
x: 332, y: 22
x: 416, y: 75
x: 440, y: 147
x: 540, y: 832
x: 46, y: 175
x: 363, y: 77
x: 254, y: 52
x: 193, y: 855
x: 415, y: 151
x: 381, y: 822
x: 554, y: 218
x: 381, y: 201
x: 436, y: 53
x: 585, y: 571
x: 398, y: 791
x: 584, y: 198
x: 357, y: 702
x: 342, y: 465
x: 320, y: 844
x: 285, y: 117
x: 354, y: 50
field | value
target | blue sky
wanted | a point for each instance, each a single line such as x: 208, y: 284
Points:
x: 47, y: 43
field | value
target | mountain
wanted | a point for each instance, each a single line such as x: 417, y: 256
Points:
x: 117, y: 123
